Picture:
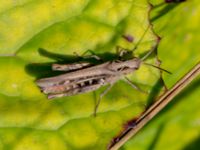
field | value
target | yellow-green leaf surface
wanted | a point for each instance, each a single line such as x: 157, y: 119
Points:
x: 28, y: 120
x: 178, y: 126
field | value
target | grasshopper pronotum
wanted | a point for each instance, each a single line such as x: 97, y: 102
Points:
x: 84, y: 77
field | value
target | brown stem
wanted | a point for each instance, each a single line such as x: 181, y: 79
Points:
x: 159, y: 105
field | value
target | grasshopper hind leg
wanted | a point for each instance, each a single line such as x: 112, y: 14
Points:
x: 79, y: 65
x: 70, y: 67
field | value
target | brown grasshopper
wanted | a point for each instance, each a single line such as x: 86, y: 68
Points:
x: 84, y: 77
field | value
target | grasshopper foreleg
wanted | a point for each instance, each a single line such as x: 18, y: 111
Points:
x: 120, y: 51
x: 133, y: 85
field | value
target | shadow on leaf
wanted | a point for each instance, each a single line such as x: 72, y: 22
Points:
x: 166, y: 9
x: 194, y: 145
x: 40, y: 70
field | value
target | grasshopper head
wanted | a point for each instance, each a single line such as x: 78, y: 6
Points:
x: 134, y: 63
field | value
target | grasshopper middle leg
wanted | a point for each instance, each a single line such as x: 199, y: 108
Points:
x: 84, y: 55
x: 100, y: 98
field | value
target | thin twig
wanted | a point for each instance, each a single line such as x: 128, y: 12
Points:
x: 158, y: 105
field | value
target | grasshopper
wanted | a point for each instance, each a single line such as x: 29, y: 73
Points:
x: 84, y: 77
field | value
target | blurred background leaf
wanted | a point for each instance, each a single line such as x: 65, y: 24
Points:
x: 32, y: 34
x: 176, y: 127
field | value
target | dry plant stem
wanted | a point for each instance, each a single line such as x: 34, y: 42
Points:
x: 159, y: 105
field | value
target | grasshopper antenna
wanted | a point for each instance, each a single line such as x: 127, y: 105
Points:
x: 122, y: 52
x: 157, y: 67
x: 149, y: 53
x: 140, y: 40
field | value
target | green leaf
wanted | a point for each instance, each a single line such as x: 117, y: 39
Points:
x: 28, y: 120
x: 177, y: 126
